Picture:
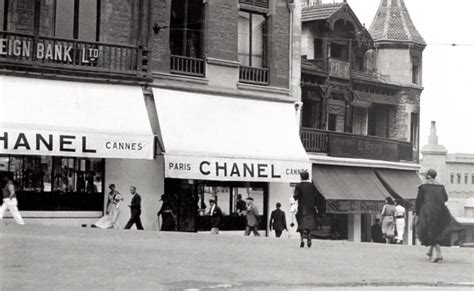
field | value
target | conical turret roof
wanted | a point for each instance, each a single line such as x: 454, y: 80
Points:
x: 393, y: 23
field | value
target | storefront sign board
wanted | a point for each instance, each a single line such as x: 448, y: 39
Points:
x: 354, y: 206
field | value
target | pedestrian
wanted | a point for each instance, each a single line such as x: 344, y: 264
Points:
x: 167, y: 213
x: 306, y: 196
x: 110, y: 219
x: 433, y: 216
x: 252, y: 218
x: 388, y: 220
x: 135, y: 209
x: 216, y: 216
x: 376, y: 232
x: 241, y: 205
x: 11, y: 203
x: 399, y: 221
x: 278, y: 220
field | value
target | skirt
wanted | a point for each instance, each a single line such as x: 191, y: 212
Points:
x: 388, y: 226
x: 307, y: 220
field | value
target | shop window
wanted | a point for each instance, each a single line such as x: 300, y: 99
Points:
x: 47, y: 183
x: 77, y: 19
x: 251, y: 39
x: 186, y: 28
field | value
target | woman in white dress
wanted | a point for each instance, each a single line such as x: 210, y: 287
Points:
x: 110, y: 219
x: 399, y: 221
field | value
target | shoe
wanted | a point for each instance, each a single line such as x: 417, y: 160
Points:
x: 309, y: 243
x: 429, y: 254
x: 435, y: 260
x: 302, y: 245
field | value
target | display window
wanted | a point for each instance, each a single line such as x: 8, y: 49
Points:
x: 191, y: 203
x: 46, y: 183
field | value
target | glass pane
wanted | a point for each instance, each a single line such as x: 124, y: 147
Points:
x: 65, y: 176
x: 2, y: 14
x: 258, y: 30
x: 244, y: 38
x: 64, y: 26
x: 177, y: 25
x: 88, y: 20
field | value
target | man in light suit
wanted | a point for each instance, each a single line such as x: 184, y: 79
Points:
x: 216, y: 215
x: 278, y: 220
x: 252, y: 218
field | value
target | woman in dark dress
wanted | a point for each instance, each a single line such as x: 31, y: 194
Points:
x: 433, y: 216
x: 306, y: 196
x: 167, y: 212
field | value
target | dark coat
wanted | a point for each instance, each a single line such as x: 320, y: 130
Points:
x: 216, y: 217
x: 278, y: 220
x: 433, y: 216
x: 307, y: 197
x: 376, y: 233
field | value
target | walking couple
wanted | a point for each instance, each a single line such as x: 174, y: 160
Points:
x: 393, y: 221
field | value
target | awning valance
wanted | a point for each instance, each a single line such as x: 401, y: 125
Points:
x: 401, y: 183
x: 62, y: 118
x: 210, y: 137
x: 349, y: 189
x: 375, y: 98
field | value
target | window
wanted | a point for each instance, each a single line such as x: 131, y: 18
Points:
x: 415, y: 71
x: 77, y: 19
x: 414, y: 130
x: 332, y: 122
x: 318, y: 48
x: 472, y: 179
x: 452, y: 178
x: 251, y: 39
x: 47, y: 183
x: 459, y: 178
x: 466, y: 179
x: 3, y: 14
x: 186, y: 28
x: 339, y: 51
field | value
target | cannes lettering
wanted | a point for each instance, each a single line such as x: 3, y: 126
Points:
x: 61, y: 143
x: 235, y: 169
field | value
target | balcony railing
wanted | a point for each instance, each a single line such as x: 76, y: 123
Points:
x: 259, y: 3
x: 187, y: 66
x: 25, y: 50
x: 348, y: 145
x: 253, y: 75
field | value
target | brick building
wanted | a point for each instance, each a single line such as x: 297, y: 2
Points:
x: 193, y: 99
x: 360, y: 119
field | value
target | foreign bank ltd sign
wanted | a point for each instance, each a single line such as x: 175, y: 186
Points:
x: 43, y: 50
x: 234, y: 169
x: 73, y: 144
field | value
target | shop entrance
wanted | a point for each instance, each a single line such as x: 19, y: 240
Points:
x: 189, y: 200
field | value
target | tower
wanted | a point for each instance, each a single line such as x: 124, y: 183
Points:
x: 399, y: 45
x: 435, y: 155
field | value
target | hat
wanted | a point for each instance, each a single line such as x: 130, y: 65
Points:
x: 249, y: 198
x: 212, y: 200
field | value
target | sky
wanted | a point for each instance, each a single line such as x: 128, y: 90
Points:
x: 448, y: 78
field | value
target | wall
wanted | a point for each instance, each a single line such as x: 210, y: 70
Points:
x: 282, y: 192
x: 147, y: 176
x: 395, y: 65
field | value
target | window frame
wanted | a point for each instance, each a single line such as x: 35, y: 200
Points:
x: 76, y: 23
x: 250, y: 39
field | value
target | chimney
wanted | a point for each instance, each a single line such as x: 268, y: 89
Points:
x: 433, y: 139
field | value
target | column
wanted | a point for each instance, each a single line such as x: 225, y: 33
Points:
x: 354, y: 227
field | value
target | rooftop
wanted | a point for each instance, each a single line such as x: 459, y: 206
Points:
x: 392, y: 22
x: 320, y: 11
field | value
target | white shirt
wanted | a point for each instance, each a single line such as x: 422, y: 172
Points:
x: 399, y: 211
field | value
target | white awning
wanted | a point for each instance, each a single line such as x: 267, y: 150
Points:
x: 62, y: 118
x: 210, y: 137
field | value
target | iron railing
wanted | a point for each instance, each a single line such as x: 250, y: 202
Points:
x: 259, y: 3
x: 187, y: 66
x: 253, y: 75
x: 61, y: 53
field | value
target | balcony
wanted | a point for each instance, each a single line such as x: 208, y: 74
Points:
x: 258, y: 3
x: 182, y: 65
x: 253, y: 75
x: 347, y: 145
x: 19, y: 51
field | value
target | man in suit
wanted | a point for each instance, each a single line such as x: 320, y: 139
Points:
x: 252, y: 218
x: 376, y: 232
x: 216, y: 215
x: 278, y: 220
x: 135, y: 209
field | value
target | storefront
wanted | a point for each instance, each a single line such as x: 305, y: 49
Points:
x: 223, y: 147
x: 59, y: 139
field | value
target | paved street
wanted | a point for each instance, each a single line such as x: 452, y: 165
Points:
x: 59, y: 258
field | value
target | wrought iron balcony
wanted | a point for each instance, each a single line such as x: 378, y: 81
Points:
x: 187, y: 66
x: 259, y: 3
x: 348, y: 145
x: 253, y: 75
x: 21, y: 51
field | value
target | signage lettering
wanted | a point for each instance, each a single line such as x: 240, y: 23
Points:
x: 47, y: 51
x: 205, y: 173
x: 4, y: 138
x: 41, y: 140
x: 355, y: 147
x: 65, y: 140
x: 21, y: 141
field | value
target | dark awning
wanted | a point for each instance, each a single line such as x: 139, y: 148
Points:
x: 375, y: 98
x: 400, y: 183
x: 348, y: 183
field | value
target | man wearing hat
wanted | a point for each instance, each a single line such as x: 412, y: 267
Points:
x: 252, y: 218
x: 216, y: 215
